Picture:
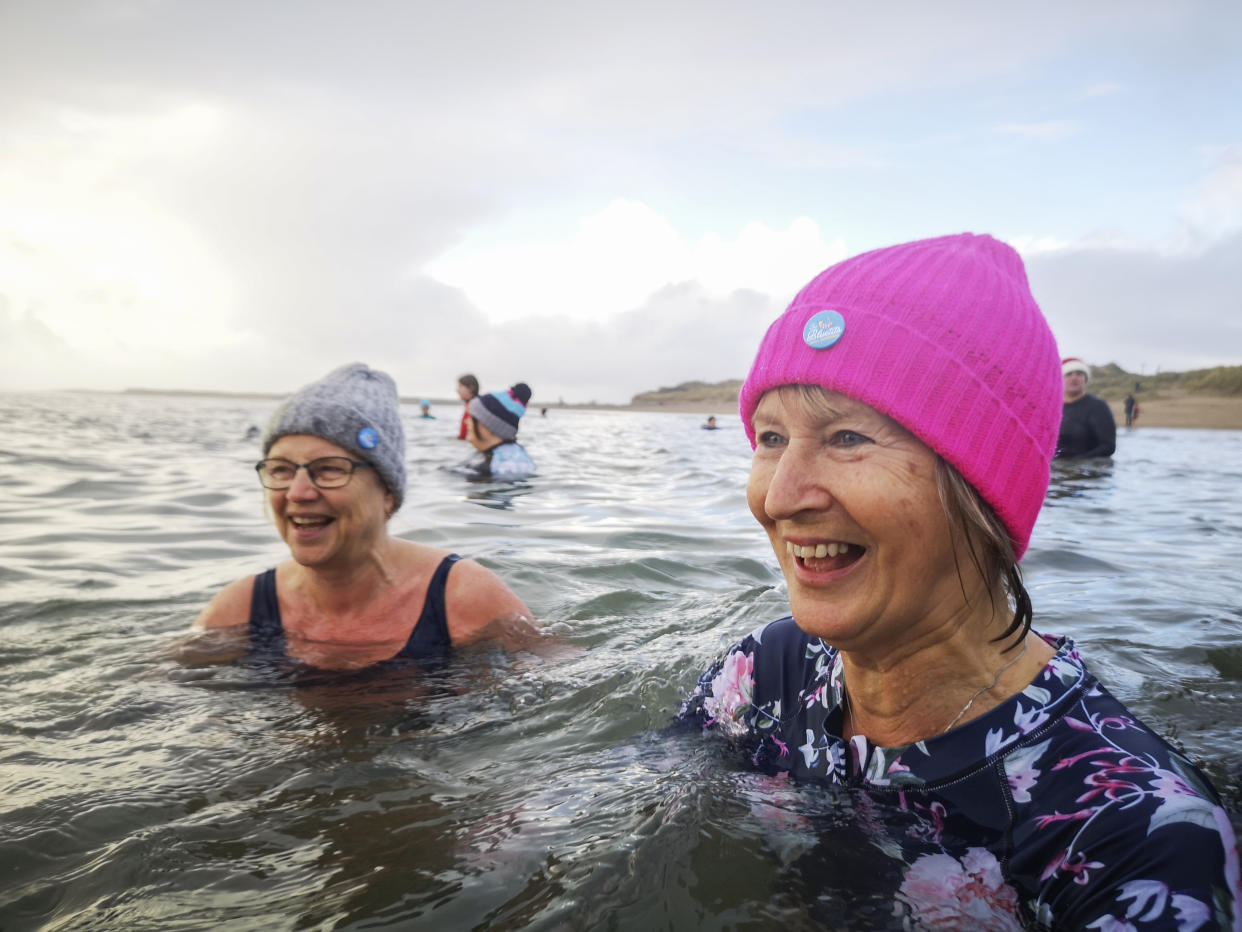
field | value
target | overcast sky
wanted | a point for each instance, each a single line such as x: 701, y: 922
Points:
x: 595, y: 198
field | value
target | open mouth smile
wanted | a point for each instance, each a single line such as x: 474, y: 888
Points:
x: 825, y: 556
x: 306, y: 525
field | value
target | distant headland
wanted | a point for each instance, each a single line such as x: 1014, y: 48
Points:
x: 1206, y: 398
x: 1201, y: 398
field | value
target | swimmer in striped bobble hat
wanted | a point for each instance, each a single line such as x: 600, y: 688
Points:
x: 492, y: 431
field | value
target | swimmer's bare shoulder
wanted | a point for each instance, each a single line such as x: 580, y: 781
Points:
x: 228, y: 607
x: 220, y: 633
x: 480, y: 607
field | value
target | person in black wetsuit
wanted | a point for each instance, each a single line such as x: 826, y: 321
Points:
x: 1087, y: 425
x: 352, y: 595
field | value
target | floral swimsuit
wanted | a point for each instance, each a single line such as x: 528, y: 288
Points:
x: 1056, y: 810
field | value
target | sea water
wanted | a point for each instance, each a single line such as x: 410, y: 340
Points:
x: 141, y: 790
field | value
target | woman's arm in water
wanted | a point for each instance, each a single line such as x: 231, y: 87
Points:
x: 228, y: 607
x: 480, y: 607
x: 220, y: 633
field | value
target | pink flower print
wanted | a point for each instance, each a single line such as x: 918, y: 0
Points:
x: 817, y: 697
x: 1080, y: 815
x: 1109, y: 780
x: 897, y: 767
x: 732, y: 691
x: 1078, y: 865
x: 942, y: 893
x: 1169, y: 785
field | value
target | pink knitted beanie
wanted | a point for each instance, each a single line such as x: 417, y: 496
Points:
x: 944, y: 336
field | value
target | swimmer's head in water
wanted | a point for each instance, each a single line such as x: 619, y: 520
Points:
x: 356, y: 408
x: 500, y: 412
x: 467, y: 387
x: 944, y: 336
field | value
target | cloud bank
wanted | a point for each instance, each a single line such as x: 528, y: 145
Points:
x: 594, y: 200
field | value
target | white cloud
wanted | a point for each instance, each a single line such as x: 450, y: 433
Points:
x: 677, y: 334
x: 1144, y: 307
x: 197, y: 200
x: 106, y: 274
x: 617, y: 258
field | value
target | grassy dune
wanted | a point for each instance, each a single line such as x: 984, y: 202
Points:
x: 1203, y: 398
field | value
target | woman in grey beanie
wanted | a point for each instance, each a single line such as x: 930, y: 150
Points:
x: 352, y: 595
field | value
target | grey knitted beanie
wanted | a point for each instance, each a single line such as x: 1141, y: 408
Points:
x: 356, y: 408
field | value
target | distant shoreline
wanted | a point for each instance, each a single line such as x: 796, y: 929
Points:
x: 1194, y: 411
x: 1170, y: 408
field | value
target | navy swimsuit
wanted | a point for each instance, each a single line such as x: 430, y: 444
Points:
x: 429, y: 639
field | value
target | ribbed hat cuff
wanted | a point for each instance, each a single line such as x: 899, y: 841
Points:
x: 936, y: 401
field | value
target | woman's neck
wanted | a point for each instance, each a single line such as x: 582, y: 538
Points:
x: 949, y: 677
x: 345, y: 587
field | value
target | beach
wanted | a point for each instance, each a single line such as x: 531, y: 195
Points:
x: 1183, y: 409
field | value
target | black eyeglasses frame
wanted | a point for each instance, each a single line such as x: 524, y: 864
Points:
x: 310, y: 471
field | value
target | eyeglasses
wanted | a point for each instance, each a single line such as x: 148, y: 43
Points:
x: 327, y: 472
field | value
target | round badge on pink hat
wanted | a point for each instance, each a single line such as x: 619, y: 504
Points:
x: 823, y: 329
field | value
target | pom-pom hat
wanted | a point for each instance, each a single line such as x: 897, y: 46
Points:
x: 499, y: 412
x: 944, y: 336
x: 356, y: 408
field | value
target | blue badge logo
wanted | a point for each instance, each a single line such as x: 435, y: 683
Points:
x: 368, y: 439
x: 823, y: 329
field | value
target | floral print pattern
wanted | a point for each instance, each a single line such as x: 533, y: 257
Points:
x: 940, y: 892
x: 1057, y: 809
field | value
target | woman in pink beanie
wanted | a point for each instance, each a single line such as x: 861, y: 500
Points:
x: 904, y: 413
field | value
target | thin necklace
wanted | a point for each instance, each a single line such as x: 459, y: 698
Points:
x: 847, y: 712
x: 995, y: 680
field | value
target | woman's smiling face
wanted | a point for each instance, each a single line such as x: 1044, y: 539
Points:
x: 327, y: 526
x: 849, y: 500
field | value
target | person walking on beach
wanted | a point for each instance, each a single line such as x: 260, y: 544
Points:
x: 352, y: 595
x: 467, y: 388
x: 1131, y: 407
x: 1087, y: 426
